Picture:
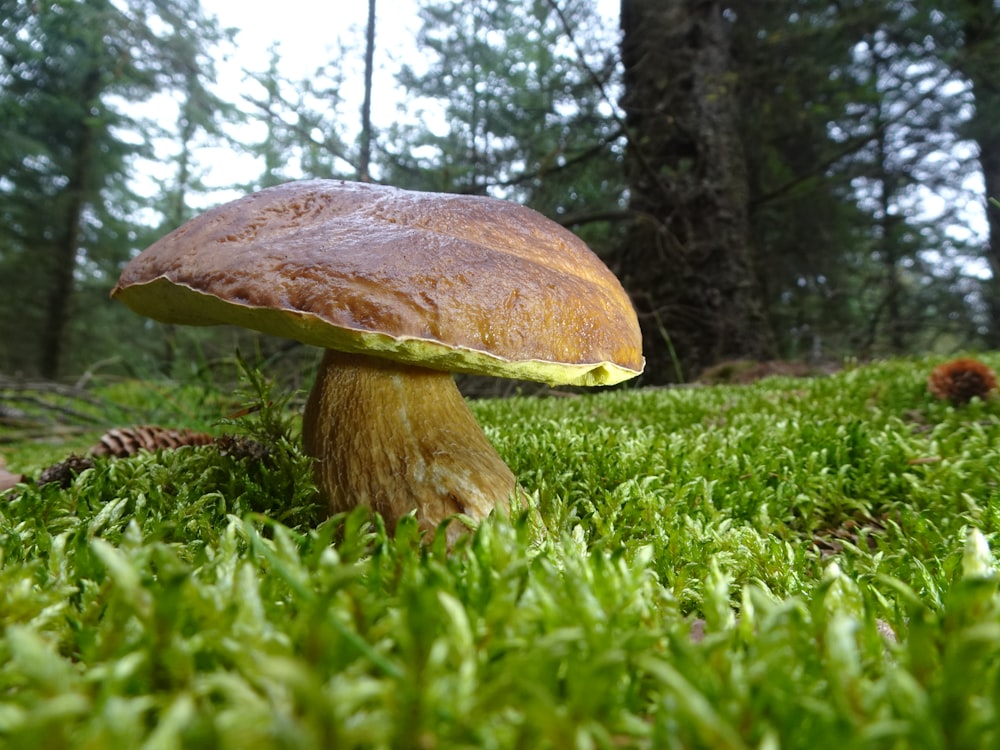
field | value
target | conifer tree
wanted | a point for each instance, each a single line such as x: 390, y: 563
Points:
x: 70, y: 73
x: 511, y: 104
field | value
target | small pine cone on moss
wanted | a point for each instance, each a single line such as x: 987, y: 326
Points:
x: 243, y: 449
x: 960, y: 380
x: 127, y: 441
x: 64, y: 472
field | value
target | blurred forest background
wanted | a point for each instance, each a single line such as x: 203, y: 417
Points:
x: 796, y: 179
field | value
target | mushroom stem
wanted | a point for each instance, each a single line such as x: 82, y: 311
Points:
x: 399, y: 438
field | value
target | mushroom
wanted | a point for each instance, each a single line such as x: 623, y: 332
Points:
x: 401, y: 289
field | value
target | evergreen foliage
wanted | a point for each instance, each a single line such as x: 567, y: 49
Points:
x: 851, y: 139
x: 514, y: 104
x: 523, y: 114
x: 304, y: 120
x: 70, y: 74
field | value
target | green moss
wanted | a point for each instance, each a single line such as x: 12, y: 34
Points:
x: 193, y: 599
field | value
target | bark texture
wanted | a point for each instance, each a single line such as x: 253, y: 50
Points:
x: 980, y: 61
x: 687, y: 261
x: 64, y: 259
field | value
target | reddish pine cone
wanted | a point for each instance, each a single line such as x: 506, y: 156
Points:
x: 122, y: 442
x: 961, y: 379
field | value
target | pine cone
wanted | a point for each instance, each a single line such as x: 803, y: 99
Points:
x: 960, y: 380
x: 63, y: 472
x: 127, y: 441
x: 243, y: 449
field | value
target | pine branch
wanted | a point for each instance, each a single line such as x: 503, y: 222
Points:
x: 647, y: 167
x: 851, y: 146
x: 302, y: 132
x: 592, y: 217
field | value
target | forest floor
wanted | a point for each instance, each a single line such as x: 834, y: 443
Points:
x: 794, y: 562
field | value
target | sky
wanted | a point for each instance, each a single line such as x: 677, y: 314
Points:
x: 305, y: 38
x: 308, y: 34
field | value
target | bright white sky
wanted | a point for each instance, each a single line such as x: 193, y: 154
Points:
x: 306, y: 29
x: 309, y: 34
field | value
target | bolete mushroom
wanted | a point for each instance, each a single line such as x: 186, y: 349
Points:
x: 401, y: 289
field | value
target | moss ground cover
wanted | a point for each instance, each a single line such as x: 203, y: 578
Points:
x: 792, y: 563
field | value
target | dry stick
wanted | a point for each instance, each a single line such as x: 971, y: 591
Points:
x: 47, y: 406
x: 49, y: 386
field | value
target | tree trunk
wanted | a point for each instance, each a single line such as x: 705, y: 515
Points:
x: 980, y: 61
x: 889, y: 313
x: 687, y: 260
x: 364, y: 160
x: 63, y: 266
x: 989, y: 159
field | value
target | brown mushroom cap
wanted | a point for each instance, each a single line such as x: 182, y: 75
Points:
x: 458, y: 283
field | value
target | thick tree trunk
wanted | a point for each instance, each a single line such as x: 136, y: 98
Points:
x: 989, y: 159
x: 687, y: 261
x: 980, y: 61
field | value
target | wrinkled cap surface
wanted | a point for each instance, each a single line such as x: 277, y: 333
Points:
x: 459, y: 283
